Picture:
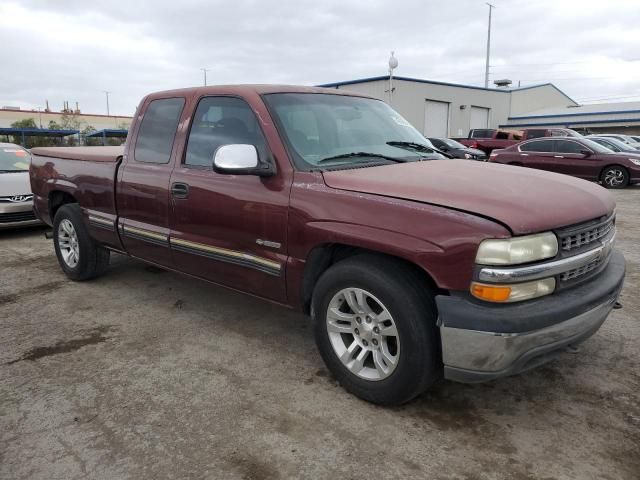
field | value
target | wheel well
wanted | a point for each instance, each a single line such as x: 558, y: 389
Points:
x: 56, y: 200
x: 324, y: 256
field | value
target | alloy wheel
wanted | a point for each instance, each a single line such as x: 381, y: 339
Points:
x: 68, y: 243
x: 363, y: 334
x: 614, y: 177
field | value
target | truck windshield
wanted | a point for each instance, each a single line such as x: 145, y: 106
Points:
x: 337, y: 130
x: 13, y: 158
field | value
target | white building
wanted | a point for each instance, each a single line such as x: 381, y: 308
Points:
x: 440, y: 109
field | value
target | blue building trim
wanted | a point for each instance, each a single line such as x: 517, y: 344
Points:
x: 408, y: 79
x: 435, y: 82
x: 544, y: 85
x: 556, y: 115
x: 556, y: 124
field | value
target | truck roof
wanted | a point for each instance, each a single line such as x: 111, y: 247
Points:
x: 250, y: 89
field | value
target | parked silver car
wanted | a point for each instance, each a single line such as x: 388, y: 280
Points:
x: 16, y: 200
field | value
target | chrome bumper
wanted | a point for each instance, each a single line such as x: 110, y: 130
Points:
x: 481, y: 341
x: 474, y: 356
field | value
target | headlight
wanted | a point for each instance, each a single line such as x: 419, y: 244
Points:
x: 516, y: 250
x: 635, y: 161
x: 468, y: 155
x: 513, y: 293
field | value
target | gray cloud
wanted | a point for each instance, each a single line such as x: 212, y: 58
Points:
x: 74, y: 50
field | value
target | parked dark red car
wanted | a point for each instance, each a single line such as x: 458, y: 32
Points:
x: 579, y: 157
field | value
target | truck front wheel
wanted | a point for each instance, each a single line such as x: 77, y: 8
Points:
x: 375, y: 326
x: 80, y: 257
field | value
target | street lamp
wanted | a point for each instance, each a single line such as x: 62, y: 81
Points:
x: 205, y: 70
x: 486, y: 69
x: 107, y: 94
x: 393, y: 64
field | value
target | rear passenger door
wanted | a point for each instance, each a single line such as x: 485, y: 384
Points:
x: 537, y: 154
x: 143, y: 186
x: 229, y: 229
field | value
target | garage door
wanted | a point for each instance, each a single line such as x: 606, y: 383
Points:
x: 436, y: 119
x: 479, y: 118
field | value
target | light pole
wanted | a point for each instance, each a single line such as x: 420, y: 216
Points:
x: 40, y: 116
x: 107, y: 94
x: 486, y: 68
x: 393, y: 64
x: 205, y: 70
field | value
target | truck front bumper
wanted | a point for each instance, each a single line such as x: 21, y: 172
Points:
x: 482, y: 341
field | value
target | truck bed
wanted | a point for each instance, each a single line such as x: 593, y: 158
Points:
x: 86, y: 174
x: 91, y: 154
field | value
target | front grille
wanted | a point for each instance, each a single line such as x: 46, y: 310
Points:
x: 583, y: 270
x: 582, y: 235
x: 17, y: 217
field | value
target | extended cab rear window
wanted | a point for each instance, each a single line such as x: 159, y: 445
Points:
x: 158, y: 130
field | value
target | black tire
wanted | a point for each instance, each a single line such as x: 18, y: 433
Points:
x: 614, y: 176
x: 93, y: 259
x: 410, y: 302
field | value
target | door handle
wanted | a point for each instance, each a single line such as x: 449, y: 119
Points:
x: 180, y: 190
x: 558, y: 156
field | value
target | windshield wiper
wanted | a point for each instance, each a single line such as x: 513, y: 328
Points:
x: 11, y: 171
x: 417, y: 147
x: 360, y: 154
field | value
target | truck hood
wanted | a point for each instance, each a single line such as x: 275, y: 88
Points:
x: 14, y: 183
x: 525, y: 200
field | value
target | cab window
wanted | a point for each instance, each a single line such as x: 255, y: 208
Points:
x: 222, y: 121
x: 536, y: 133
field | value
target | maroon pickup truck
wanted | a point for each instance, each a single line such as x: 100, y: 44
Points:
x: 488, y: 140
x: 411, y: 267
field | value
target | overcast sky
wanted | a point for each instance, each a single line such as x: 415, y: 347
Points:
x: 74, y: 50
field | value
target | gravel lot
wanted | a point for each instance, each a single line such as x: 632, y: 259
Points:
x: 147, y: 374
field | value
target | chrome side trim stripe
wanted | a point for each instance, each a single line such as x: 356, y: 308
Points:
x: 548, y: 269
x: 101, y: 222
x: 146, y: 235
x: 226, y: 255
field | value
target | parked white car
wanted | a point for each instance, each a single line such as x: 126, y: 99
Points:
x: 16, y: 200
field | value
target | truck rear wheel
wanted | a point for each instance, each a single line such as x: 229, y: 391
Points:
x: 80, y: 257
x: 375, y: 327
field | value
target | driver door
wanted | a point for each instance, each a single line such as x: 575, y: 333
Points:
x: 229, y: 229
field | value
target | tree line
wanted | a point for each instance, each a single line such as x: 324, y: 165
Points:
x: 68, y: 121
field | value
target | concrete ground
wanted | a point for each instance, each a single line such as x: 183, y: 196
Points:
x: 145, y: 374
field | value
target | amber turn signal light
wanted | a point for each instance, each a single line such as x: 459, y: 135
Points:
x: 491, y: 293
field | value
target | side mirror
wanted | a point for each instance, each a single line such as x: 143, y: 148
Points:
x: 586, y: 153
x: 240, y: 159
